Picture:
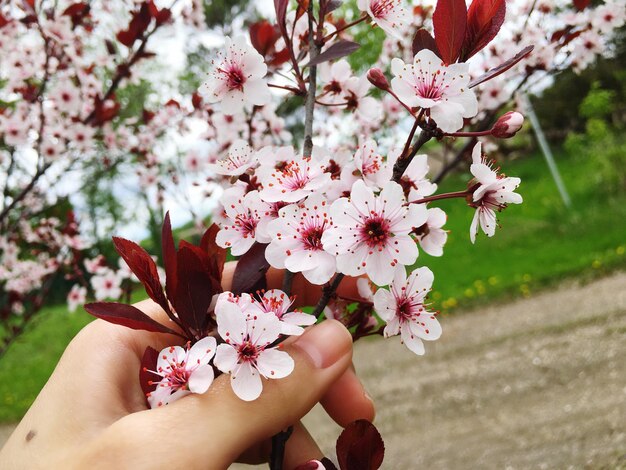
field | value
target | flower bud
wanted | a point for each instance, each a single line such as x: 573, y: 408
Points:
x: 378, y: 79
x: 507, y: 125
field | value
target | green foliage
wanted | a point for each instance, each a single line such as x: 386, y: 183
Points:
x: 133, y: 98
x: 599, y: 103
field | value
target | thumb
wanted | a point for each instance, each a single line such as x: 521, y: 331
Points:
x: 213, y: 429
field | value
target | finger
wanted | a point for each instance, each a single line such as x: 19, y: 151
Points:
x: 217, y: 427
x: 346, y: 400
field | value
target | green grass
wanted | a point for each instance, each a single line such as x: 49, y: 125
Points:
x: 539, y: 243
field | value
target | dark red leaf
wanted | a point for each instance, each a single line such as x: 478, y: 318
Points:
x: 332, y: 5
x: 281, y: 14
x: 339, y: 49
x: 424, y: 40
x: 360, y: 447
x: 105, y: 110
x: 484, y: 19
x: 263, y: 36
x: 449, y: 21
x: 144, y: 267
x: 160, y: 16
x: 581, y: 4
x: 193, y: 289
x: 137, y: 26
x: 250, y: 271
x: 169, y: 257
x: 328, y: 464
x: 77, y: 12
x: 494, y: 72
x: 4, y: 20
x: 303, y: 5
x: 216, y: 255
x: 148, y: 363
x: 125, y: 315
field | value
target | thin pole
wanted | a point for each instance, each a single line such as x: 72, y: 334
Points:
x: 547, y: 152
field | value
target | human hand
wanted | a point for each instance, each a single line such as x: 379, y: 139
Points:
x: 92, y: 412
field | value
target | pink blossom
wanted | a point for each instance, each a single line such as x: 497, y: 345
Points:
x: 239, y: 232
x: 370, y: 234
x: 402, y: 307
x: 237, y: 79
x: 106, y: 284
x: 334, y: 77
x: 239, y: 160
x: 415, y: 179
x: 430, y: 84
x: 493, y: 192
x: 296, y: 240
x: 183, y: 372
x: 246, y: 354
x: 294, y: 180
x: 431, y: 236
x: 371, y: 165
x: 276, y: 302
x: 355, y: 95
x: 390, y: 15
x: 76, y: 297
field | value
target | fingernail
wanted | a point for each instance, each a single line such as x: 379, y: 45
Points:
x: 325, y: 343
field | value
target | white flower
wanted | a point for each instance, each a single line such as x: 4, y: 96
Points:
x: 296, y: 240
x: 402, y: 307
x: 239, y: 230
x: 431, y: 236
x: 371, y: 233
x: 237, y: 79
x: 246, y: 353
x: 183, y: 372
x: 106, y: 284
x: 276, y: 302
x: 294, y: 180
x: 355, y: 95
x: 492, y: 194
x: 371, y: 165
x: 239, y: 160
x: 390, y: 15
x: 415, y: 179
x: 430, y: 84
x: 76, y: 297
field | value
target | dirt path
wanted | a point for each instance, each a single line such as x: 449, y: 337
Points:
x: 538, y: 383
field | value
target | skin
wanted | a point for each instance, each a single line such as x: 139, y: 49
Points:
x: 92, y: 412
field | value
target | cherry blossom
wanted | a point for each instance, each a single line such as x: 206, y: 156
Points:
x: 183, y: 371
x: 76, y: 297
x: 296, y: 240
x: 390, y: 15
x: 238, y: 161
x: 492, y: 192
x: 370, y: 234
x: 239, y: 231
x: 106, y: 284
x: 430, y: 84
x: 402, y: 307
x: 295, y: 180
x: 414, y: 180
x: 371, y: 166
x: 276, y: 302
x: 246, y: 354
x: 431, y: 236
x: 237, y: 79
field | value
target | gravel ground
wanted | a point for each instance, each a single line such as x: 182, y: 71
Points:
x: 532, y: 384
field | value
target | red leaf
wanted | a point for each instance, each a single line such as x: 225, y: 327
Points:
x: 137, y: 26
x: 216, y: 255
x: 193, y: 289
x: 105, y: 110
x: 484, y: 19
x: 360, y: 447
x: 160, y: 16
x: 339, y: 49
x: 126, y: 315
x: 303, y: 5
x: 581, y: 4
x: 250, y: 271
x: 144, y: 267
x: 281, y: 13
x: 449, y: 21
x: 148, y: 363
x: 169, y: 257
x: 4, y: 20
x: 424, y: 40
x: 263, y: 36
x: 494, y: 72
